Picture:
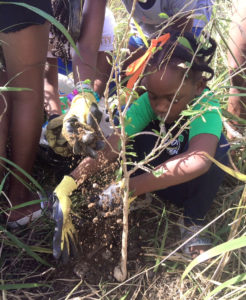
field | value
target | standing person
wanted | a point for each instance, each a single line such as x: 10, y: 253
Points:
x: 237, y: 64
x: 103, y: 68
x: 24, y: 41
x: 24, y: 37
x: 148, y: 15
x: 204, y: 12
x: 87, y: 34
x: 187, y: 177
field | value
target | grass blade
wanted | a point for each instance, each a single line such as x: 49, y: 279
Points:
x: 3, y: 182
x: 24, y: 246
x: 226, y: 284
x: 33, y: 248
x: 143, y: 37
x: 13, y: 89
x: 18, y: 286
x: 164, y: 237
x: 217, y: 250
x: 29, y: 177
x: 226, y: 169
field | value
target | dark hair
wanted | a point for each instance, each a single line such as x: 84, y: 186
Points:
x: 186, y: 48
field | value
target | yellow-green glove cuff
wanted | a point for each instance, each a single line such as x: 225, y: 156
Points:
x: 80, y: 107
x: 66, y: 187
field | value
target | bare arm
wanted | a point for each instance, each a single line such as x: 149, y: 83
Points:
x: 182, y: 168
x: 90, y: 166
x: 89, y: 40
x: 237, y: 40
x: 237, y: 61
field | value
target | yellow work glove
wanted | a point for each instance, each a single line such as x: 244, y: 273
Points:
x: 65, y: 236
x: 110, y: 201
x: 55, y: 139
x: 124, y: 95
x: 80, y: 125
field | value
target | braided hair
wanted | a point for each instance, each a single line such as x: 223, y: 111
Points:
x: 188, y: 49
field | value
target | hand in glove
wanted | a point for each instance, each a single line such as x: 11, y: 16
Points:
x: 80, y: 125
x: 55, y: 139
x: 65, y: 235
x: 111, y: 199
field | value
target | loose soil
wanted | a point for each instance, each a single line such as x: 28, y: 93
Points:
x: 99, y: 248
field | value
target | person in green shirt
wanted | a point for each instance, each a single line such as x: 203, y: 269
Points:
x: 174, y: 80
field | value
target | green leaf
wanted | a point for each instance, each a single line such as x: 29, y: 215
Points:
x: 163, y: 16
x: 119, y: 173
x: 3, y: 182
x: 128, y: 121
x: 190, y: 112
x: 184, y: 42
x: 203, y: 119
x: 229, y: 95
x: 28, y: 203
x: 132, y: 154
x: 226, y: 284
x: 232, y: 117
x: 29, y: 177
x: 13, y: 89
x: 18, y: 286
x: 119, y: 145
x: 215, y: 251
x: 33, y: 248
x: 143, y: 37
x: 157, y: 173
x: 226, y: 169
x: 234, y: 86
x: 87, y: 81
x: 21, y: 245
x: 156, y: 132
x: 164, y: 237
x: 199, y: 17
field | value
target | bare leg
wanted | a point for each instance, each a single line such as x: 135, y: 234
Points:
x: 103, y: 72
x: 25, y: 55
x: 84, y: 67
x: 51, y: 95
x: 237, y: 59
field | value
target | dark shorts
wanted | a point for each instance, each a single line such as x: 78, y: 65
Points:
x: 14, y: 17
x: 196, y: 195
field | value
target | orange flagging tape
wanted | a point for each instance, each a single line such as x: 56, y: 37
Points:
x: 138, y: 66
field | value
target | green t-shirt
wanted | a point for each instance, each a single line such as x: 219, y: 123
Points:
x: 140, y: 114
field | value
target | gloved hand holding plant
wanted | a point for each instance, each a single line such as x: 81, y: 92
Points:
x: 77, y: 131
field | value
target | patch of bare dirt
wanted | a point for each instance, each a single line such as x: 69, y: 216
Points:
x: 100, y: 251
